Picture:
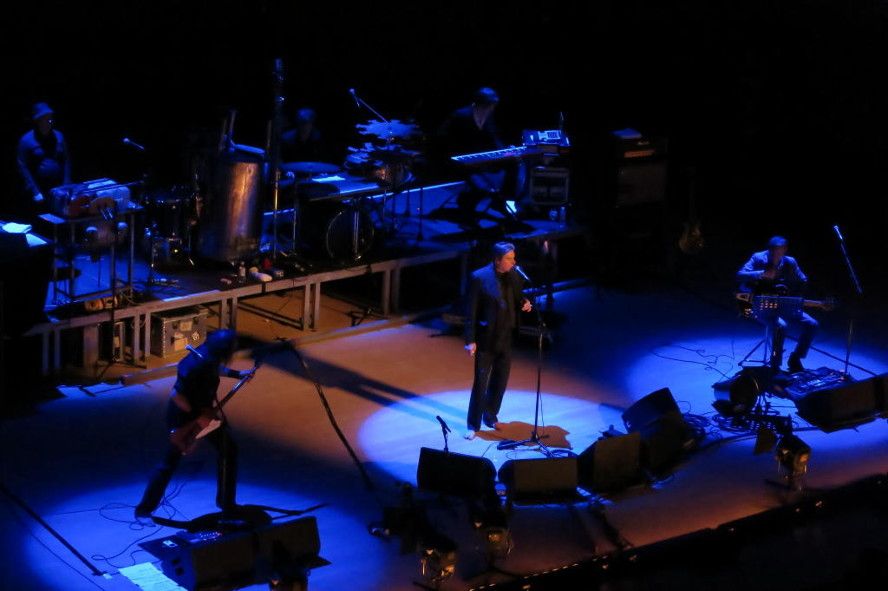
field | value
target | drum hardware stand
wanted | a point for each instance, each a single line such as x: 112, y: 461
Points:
x: 152, y: 280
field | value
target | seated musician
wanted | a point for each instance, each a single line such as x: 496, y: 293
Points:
x: 302, y: 142
x: 470, y: 130
x: 772, y: 272
x: 190, y: 407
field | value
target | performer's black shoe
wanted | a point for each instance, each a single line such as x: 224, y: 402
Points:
x: 794, y: 364
x: 142, y: 514
x: 491, y: 422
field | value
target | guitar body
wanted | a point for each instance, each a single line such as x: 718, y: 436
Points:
x: 185, y: 437
x: 691, y: 241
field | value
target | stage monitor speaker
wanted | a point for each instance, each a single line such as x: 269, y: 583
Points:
x: 846, y: 405
x: 664, y: 433
x: 455, y: 474
x: 296, y: 542
x: 220, y: 562
x: 540, y: 479
x: 649, y: 409
x: 881, y: 391
x: 611, y: 463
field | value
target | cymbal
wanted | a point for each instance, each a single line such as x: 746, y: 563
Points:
x: 394, y: 129
x: 309, y: 167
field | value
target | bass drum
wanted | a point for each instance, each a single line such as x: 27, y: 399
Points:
x: 336, y: 230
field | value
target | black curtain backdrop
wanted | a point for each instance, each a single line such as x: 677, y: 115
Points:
x: 780, y: 105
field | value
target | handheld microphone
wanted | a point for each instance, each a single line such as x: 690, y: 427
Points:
x: 351, y: 91
x: 443, y: 424
x: 522, y: 274
x: 130, y: 142
x: 838, y: 233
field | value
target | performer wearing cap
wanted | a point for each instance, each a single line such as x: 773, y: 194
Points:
x: 191, y: 404
x: 42, y: 161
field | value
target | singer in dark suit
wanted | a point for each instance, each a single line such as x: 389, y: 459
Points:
x: 191, y: 402
x: 495, y: 296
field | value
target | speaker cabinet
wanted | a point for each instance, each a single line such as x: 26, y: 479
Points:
x: 611, y: 463
x: 540, y: 479
x: 455, y: 474
x: 227, y: 560
x: 664, y: 433
x: 238, y: 559
x: 842, y: 406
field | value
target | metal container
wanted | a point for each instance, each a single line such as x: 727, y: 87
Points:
x: 232, y: 223
x: 172, y: 330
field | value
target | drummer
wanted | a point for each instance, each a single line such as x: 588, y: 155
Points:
x: 302, y: 142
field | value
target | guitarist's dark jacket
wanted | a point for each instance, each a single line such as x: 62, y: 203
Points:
x: 789, y: 275
x: 197, y: 380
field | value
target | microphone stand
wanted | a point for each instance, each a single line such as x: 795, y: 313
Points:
x: 444, y: 431
x: 274, y: 149
x: 535, y: 436
x: 362, y: 103
x: 858, y: 289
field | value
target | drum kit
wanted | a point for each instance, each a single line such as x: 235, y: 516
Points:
x: 219, y: 217
x: 344, y: 230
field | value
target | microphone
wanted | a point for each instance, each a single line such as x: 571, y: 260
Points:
x: 838, y: 233
x: 522, y: 274
x: 443, y: 424
x: 130, y: 142
x: 351, y: 91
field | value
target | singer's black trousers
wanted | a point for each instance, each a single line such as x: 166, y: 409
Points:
x: 491, y: 378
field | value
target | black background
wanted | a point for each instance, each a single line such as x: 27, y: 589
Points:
x: 779, y: 105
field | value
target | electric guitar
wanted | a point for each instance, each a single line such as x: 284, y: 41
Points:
x: 691, y: 241
x: 185, y: 438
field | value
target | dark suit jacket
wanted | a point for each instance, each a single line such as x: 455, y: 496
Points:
x: 484, y: 321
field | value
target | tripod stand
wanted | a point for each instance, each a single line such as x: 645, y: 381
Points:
x: 535, y: 437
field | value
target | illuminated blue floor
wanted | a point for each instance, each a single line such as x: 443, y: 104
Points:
x: 81, y: 461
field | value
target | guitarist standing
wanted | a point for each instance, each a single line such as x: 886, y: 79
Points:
x: 772, y: 272
x: 190, y: 410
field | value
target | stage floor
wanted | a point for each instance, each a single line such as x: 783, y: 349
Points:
x: 81, y: 460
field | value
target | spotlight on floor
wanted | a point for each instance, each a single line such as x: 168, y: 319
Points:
x: 739, y: 394
x: 792, y: 456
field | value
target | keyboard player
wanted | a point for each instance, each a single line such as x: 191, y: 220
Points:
x: 473, y: 129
